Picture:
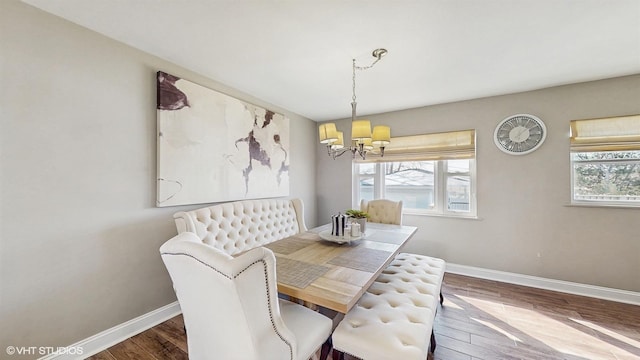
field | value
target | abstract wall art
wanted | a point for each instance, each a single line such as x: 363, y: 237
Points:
x: 215, y: 148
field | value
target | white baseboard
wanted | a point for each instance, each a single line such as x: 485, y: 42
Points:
x: 623, y: 296
x: 104, y: 340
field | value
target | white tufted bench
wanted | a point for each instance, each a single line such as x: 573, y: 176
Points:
x: 394, y: 318
x: 239, y: 226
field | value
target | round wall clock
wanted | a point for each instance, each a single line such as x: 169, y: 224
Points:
x: 520, y: 134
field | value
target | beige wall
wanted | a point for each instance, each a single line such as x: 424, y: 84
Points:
x: 522, y: 200
x: 79, y: 228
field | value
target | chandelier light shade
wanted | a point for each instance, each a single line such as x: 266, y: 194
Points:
x: 338, y: 144
x: 381, y: 135
x: 328, y: 133
x: 363, y: 140
x: 360, y: 130
x: 367, y: 144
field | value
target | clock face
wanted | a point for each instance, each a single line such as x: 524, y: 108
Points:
x: 520, y: 134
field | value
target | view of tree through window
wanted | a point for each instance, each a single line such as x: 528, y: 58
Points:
x: 612, y: 176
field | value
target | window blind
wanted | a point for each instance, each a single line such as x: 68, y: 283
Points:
x: 606, y: 134
x: 437, y: 146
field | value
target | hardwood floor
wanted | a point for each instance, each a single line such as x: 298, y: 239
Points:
x: 484, y: 319
x: 480, y: 319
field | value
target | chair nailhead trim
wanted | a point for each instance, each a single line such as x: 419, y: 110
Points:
x: 232, y: 277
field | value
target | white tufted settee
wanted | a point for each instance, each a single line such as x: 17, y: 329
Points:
x: 239, y: 226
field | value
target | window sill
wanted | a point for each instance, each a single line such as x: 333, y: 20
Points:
x: 605, y: 206
x: 466, y: 217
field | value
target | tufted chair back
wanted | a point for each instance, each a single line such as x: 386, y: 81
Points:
x: 383, y: 211
x: 230, y: 305
x: 242, y: 225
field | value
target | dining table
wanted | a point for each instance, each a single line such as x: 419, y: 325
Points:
x: 335, y: 273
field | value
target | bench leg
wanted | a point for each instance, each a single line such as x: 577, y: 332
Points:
x: 433, y: 342
x: 441, y: 298
x: 326, y: 349
x: 338, y: 355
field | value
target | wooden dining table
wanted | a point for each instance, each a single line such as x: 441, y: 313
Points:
x: 332, y: 275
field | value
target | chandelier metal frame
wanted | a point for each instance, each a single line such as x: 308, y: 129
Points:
x: 363, y: 139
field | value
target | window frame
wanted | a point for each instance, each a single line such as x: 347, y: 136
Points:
x: 441, y: 174
x: 472, y: 189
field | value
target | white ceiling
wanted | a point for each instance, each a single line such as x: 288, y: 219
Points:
x: 297, y: 54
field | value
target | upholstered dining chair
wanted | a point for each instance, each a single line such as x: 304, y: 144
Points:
x: 383, y: 211
x: 231, y: 307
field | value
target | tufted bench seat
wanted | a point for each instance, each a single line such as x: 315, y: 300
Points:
x: 239, y: 226
x: 394, y: 318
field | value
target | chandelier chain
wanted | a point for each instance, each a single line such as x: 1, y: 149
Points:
x: 366, y: 67
x: 354, y: 81
x: 355, y: 67
x: 364, y: 143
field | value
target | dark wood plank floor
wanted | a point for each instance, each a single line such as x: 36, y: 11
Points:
x: 484, y: 319
x: 480, y: 319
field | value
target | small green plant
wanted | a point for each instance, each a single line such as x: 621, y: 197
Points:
x: 357, y: 214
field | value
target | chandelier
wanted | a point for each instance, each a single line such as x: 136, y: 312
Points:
x: 363, y: 140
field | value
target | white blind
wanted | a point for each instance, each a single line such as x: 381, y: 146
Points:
x: 606, y: 134
x: 438, y: 146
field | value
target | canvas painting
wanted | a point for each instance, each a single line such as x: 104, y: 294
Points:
x: 215, y: 148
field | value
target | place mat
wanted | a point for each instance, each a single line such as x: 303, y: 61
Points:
x: 388, y: 237
x: 297, y: 273
x: 309, y: 235
x: 289, y: 245
x: 364, y: 259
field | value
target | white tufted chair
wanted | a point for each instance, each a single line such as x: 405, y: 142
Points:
x: 238, y: 226
x: 231, y: 307
x: 383, y: 211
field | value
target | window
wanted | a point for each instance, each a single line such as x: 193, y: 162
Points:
x: 367, y: 173
x: 458, y: 189
x: 605, y: 161
x: 426, y: 182
x: 412, y: 182
x: 444, y: 187
x: 611, y: 177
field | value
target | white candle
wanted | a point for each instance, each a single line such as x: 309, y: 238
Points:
x: 355, y: 229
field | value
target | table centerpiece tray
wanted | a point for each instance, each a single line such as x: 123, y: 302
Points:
x: 326, y: 235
